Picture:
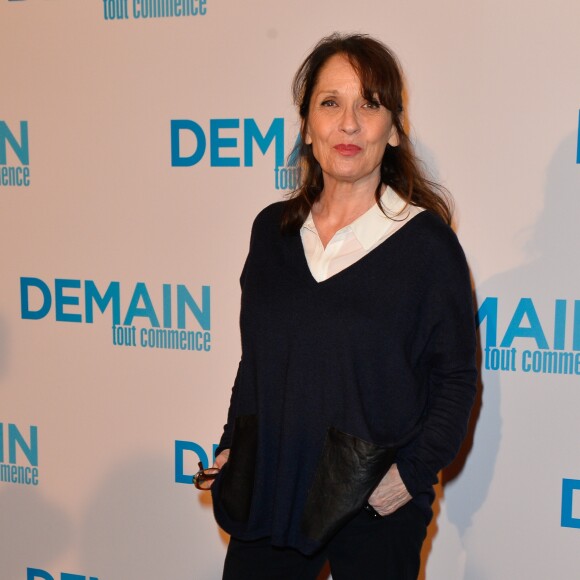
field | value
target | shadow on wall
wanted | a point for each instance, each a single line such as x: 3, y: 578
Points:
x: 472, y: 472
x: 555, y: 235
x: 29, y: 524
x: 547, y: 272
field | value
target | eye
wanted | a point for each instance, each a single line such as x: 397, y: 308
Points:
x: 328, y: 103
x: 374, y: 104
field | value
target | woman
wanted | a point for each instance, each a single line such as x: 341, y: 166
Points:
x: 358, y: 343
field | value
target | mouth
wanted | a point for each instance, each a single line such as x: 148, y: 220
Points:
x: 347, y: 150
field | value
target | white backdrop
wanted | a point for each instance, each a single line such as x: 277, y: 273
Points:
x: 96, y: 217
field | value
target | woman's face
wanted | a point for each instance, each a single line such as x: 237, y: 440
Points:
x: 348, y: 133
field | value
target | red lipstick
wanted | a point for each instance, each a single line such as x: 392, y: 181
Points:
x: 347, y: 150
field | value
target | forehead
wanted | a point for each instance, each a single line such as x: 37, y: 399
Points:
x: 337, y: 73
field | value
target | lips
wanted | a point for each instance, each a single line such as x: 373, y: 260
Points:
x: 346, y: 149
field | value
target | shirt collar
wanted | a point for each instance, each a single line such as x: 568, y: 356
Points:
x: 370, y: 227
x: 309, y: 224
x: 373, y: 224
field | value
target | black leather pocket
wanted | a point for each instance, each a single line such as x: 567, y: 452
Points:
x: 349, y: 470
x: 237, y: 485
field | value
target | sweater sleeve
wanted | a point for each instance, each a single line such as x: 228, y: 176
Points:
x: 226, y: 438
x: 448, y: 327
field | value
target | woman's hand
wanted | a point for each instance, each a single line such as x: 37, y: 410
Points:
x: 390, y: 494
x: 219, y: 462
x: 221, y: 459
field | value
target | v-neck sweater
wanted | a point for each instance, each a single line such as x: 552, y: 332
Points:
x: 381, y: 350
x: 350, y: 243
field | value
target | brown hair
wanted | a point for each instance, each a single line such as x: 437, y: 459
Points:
x: 380, y: 75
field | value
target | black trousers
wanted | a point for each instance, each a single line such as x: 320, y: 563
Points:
x: 368, y: 548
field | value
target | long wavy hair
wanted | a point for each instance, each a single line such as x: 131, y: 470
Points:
x: 380, y: 76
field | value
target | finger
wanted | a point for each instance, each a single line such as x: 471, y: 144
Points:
x: 221, y: 459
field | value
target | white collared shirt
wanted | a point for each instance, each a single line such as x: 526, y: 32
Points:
x: 351, y: 243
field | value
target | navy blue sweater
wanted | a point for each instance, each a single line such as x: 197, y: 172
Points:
x: 384, y: 350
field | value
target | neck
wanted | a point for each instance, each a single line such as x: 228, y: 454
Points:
x: 341, y: 203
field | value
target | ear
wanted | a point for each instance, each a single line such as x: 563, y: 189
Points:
x: 304, y: 130
x: 394, y: 137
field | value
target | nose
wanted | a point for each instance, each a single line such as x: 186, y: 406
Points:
x: 349, y: 122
